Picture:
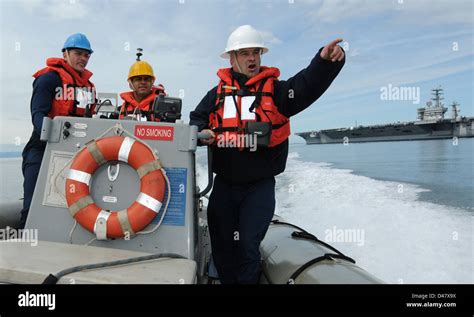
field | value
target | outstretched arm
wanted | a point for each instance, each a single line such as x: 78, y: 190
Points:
x: 300, y: 91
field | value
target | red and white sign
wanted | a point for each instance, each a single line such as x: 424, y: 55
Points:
x: 147, y: 132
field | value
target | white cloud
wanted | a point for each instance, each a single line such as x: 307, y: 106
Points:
x: 183, y: 43
x: 408, y: 60
x: 437, y: 12
x: 353, y: 53
x: 30, y: 6
x: 420, y: 12
x: 333, y: 11
x: 402, y: 75
x: 67, y: 9
x: 420, y: 40
x: 269, y: 37
x: 55, y: 9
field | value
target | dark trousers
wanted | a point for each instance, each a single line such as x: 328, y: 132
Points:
x: 32, y: 158
x: 238, y: 218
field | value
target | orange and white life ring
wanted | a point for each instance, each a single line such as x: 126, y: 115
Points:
x: 115, y: 224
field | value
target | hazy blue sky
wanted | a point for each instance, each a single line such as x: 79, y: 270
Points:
x: 415, y: 43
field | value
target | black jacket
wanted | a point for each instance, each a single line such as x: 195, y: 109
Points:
x: 291, y: 97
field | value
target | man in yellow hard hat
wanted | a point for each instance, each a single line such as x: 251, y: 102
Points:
x: 140, y: 100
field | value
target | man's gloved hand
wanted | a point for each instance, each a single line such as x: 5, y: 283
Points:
x: 211, y: 140
x: 333, y: 52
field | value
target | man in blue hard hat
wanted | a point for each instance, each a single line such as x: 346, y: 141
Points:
x: 62, y: 88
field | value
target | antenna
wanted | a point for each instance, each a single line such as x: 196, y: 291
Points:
x: 456, y: 110
x: 438, y: 96
x: 139, y: 53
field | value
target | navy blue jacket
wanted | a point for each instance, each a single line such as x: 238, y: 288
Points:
x: 44, y: 91
x: 246, y: 166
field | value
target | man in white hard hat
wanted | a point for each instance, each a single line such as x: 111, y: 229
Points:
x: 250, y: 103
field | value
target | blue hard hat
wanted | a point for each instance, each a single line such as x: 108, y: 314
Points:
x: 77, y: 40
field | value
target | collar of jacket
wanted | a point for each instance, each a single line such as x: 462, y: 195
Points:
x: 226, y: 74
x: 239, y: 77
x: 81, y: 79
x: 130, y: 98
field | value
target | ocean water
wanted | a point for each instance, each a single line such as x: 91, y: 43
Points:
x: 11, y: 178
x: 443, y: 167
x: 411, y: 204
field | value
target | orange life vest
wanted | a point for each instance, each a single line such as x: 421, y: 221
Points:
x: 229, y: 117
x: 130, y: 104
x: 67, y: 102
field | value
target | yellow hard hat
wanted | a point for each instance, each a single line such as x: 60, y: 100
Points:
x: 141, y: 68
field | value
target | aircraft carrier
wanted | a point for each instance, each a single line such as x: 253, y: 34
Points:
x: 431, y: 124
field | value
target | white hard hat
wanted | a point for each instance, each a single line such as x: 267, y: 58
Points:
x: 244, y: 36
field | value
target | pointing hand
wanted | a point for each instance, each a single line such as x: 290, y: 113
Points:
x: 332, y: 51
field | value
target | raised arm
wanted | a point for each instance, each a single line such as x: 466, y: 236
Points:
x: 300, y: 91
